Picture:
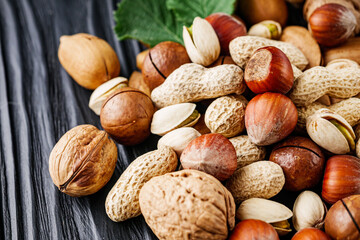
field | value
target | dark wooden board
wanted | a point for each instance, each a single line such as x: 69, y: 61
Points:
x: 39, y: 102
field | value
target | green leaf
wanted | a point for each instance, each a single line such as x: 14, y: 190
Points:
x: 187, y: 10
x: 148, y: 21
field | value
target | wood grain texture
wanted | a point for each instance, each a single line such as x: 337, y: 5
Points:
x: 39, y: 102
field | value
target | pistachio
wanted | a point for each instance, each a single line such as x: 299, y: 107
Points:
x: 201, y: 42
x: 339, y: 64
x: 331, y: 131
x: 267, y: 29
x: 178, y: 139
x: 174, y: 116
x: 268, y: 211
x: 309, y: 211
x: 101, y: 93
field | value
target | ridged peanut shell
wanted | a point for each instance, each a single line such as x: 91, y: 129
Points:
x: 82, y: 161
x: 192, y: 83
x: 242, y: 48
x: 187, y: 204
x: 122, y: 202
x: 89, y: 60
x: 262, y: 179
x: 226, y: 115
x: 246, y: 151
x: 319, y: 81
x: 347, y: 108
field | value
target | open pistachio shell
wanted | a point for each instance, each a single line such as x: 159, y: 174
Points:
x: 100, y: 94
x: 326, y: 134
x: 268, y: 211
x: 309, y: 211
x: 174, y: 116
x: 178, y: 139
x: 263, y: 209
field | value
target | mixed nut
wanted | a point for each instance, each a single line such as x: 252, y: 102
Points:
x: 270, y: 99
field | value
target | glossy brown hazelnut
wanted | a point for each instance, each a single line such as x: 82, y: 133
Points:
x: 341, y: 178
x: 227, y: 28
x: 211, y: 153
x: 161, y: 61
x: 252, y: 229
x: 269, y: 118
x: 332, y: 24
x: 269, y: 70
x: 126, y: 116
x: 343, y: 219
x: 310, y: 234
x: 82, y: 161
x: 302, y: 162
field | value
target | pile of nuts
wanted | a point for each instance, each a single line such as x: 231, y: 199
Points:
x: 265, y: 99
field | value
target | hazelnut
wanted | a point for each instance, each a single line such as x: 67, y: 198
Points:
x: 269, y: 70
x: 341, y: 178
x: 227, y: 28
x: 269, y: 118
x: 89, y: 60
x: 302, y: 162
x: 252, y: 229
x: 162, y: 60
x: 210, y: 153
x: 343, y: 219
x: 82, y: 161
x: 310, y: 234
x: 126, y: 116
x: 332, y: 24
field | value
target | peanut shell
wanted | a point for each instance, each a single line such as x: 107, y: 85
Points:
x: 262, y: 179
x: 192, y: 82
x: 242, y: 48
x: 122, y: 202
x: 319, y: 81
x: 226, y: 115
x: 246, y: 151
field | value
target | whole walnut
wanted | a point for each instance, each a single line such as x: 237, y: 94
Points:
x: 82, y: 161
x: 126, y: 116
x: 187, y: 204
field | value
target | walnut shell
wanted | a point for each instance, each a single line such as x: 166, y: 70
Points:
x: 82, y: 161
x: 126, y: 116
x: 89, y: 60
x: 187, y: 204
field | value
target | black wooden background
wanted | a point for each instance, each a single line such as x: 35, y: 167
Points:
x: 39, y: 102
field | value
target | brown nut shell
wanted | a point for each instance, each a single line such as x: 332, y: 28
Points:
x: 302, y: 162
x: 269, y: 118
x: 300, y: 37
x: 161, y: 61
x: 311, y: 234
x: 82, y: 161
x: 341, y: 178
x: 254, y: 11
x: 211, y: 153
x: 126, y: 116
x: 253, y: 229
x: 343, y: 219
x: 89, y: 60
x: 187, y: 204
